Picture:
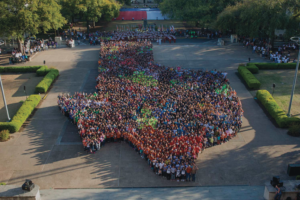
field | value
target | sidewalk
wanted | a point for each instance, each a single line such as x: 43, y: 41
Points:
x: 190, y: 193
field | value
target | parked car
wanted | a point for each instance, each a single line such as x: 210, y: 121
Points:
x: 1, y: 42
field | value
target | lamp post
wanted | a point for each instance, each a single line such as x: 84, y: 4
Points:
x: 3, y: 95
x: 297, y: 40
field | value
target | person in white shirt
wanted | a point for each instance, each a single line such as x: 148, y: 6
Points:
x: 254, y: 48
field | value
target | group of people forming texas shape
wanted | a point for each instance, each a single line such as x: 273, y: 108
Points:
x: 168, y: 115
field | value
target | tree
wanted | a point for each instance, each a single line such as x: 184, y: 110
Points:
x: 204, y: 11
x: 18, y: 17
x: 255, y: 18
x: 126, y: 2
x: 158, y: 1
x: 70, y: 8
x: 92, y: 10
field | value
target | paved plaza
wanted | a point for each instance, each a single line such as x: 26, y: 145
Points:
x: 49, y: 151
x: 190, y: 193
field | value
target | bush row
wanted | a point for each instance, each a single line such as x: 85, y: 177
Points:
x: 44, y: 85
x: 252, y: 68
x: 249, y: 78
x: 19, y: 69
x: 22, y: 114
x: 274, y: 110
x: 42, y: 71
x: 274, y: 65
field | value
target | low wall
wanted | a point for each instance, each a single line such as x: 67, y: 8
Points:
x: 14, y: 192
x: 288, y: 190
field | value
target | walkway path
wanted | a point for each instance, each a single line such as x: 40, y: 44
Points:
x: 49, y: 152
x: 191, y: 193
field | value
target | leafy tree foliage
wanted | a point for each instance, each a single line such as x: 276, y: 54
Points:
x: 158, y: 1
x: 204, y: 11
x: 127, y: 2
x: 260, y: 18
x: 70, y: 8
x: 90, y: 10
x: 18, y: 17
x: 94, y: 9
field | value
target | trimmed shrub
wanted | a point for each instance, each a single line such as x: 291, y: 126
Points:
x: 274, y: 110
x: 2, y: 183
x: 42, y: 71
x: 12, y: 127
x: 252, y: 68
x: 294, y: 130
x: 22, y: 114
x: 275, y: 65
x: 19, y: 69
x: 4, y: 135
x: 249, y: 78
x: 44, y: 85
x: 25, y: 111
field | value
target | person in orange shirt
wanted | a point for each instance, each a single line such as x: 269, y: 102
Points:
x: 188, y: 173
x: 119, y: 136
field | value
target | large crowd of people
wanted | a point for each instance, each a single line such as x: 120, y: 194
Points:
x: 168, y: 115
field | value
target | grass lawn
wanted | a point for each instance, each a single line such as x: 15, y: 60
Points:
x: 282, y: 93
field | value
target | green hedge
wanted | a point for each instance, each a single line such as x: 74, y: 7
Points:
x: 44, y: 85
x: 274, y: 110
x: 274, y: 65
x: 249, y: 78
x: 42, y: 71
x: 22, y: 114
x: 252, y: 68
x: 19, y: 69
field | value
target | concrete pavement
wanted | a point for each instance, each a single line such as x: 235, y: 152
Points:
x: 191, y: 193
x: 48, y: 150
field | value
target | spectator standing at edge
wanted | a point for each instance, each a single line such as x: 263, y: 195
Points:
x: 188, y: 173
x: 194, y: 170
x: 278, y: 193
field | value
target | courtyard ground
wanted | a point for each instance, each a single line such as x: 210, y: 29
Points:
x: 283, y: 80
x: 49, y: 151
x: 13, y: 85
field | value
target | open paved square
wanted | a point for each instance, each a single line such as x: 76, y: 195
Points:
x: 49, y: 151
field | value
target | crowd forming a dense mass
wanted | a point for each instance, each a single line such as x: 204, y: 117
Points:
x: 168, y: 115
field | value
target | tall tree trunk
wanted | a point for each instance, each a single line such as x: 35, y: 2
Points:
x: 272, y: 39
x: 20, y: 45
x: 87, y: 26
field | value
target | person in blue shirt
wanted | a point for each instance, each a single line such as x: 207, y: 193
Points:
x: 278, y: 193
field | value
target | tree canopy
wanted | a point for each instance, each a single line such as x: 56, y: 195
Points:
x: 127, y: 2
x: 70, y: 8
x: 18, y: 17
x: 90, y: 10
x: 258, y: 18
x: 204, y: 11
